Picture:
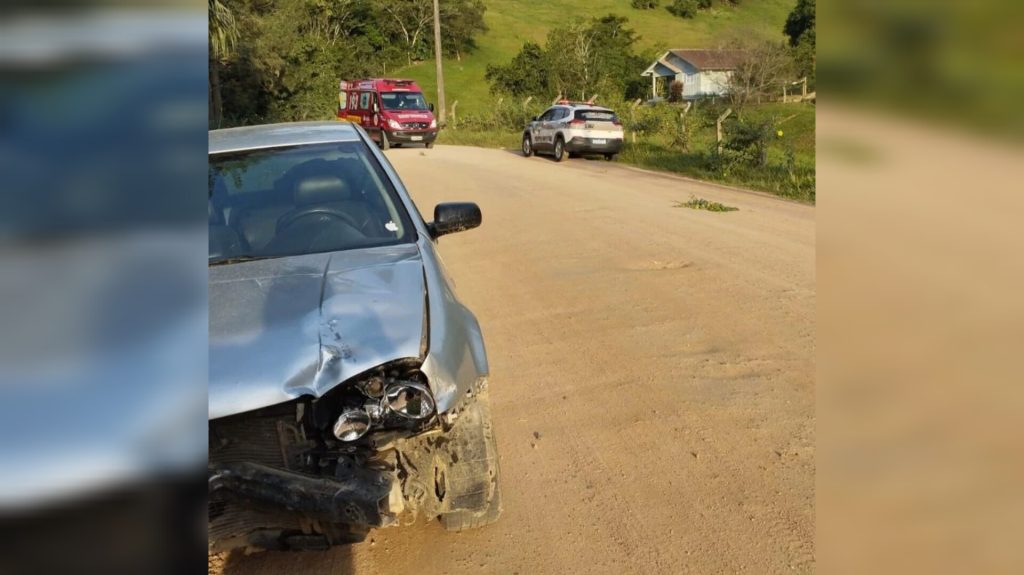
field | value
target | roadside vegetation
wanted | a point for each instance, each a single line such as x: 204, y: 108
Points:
x: 765, y: 145
x: 696, y: 203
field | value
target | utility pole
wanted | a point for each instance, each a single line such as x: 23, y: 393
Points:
x: 437, y: 60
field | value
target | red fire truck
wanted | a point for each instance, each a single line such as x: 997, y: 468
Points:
x: 392, y: 111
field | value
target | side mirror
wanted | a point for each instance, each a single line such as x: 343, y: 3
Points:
x: 454, y: 217
x: 534, y: 119
x: 430, y: 107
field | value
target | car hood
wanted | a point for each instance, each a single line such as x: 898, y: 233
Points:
x: 285, y: 327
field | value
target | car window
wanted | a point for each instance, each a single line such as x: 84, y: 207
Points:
x: 364, y: 100
x: 596, y: 116
x: 302, y: 199
x: 403, y: 101
x: 548, y: 115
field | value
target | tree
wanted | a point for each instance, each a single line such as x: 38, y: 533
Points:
x: 615, y: 64
x: 412, y: 19
x: 223, y: 34
x: 523, y: 76
x: 461, y: 22
x: 683, y: 8
x: 800, y: 22
x: 800, y: 28
x: 581, y: 58
x: 760, y: 72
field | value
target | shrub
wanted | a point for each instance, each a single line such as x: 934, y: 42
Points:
x: 750, y: 141
x: 704, y: 4
x: 507, y: 115
x: 675, y: 91
x: 645, y: 4
x: 683, y: 8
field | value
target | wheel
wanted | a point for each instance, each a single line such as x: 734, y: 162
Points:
x: 429, y: 145
x: 384, y: 143
x: 527, y: 145
x: 559, y: 149
x: 609, y: 157
x: 472, y: 484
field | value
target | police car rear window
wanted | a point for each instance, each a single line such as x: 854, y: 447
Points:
x: 596, y: 115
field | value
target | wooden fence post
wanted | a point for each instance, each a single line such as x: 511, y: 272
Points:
x: 718, y: 127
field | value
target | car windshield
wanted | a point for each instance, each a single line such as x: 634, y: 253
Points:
x: 300, y: 200
x: 403, y: 101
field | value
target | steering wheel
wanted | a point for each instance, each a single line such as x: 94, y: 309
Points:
x: 288, y: 220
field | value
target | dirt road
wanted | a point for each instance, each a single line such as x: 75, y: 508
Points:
x: 652, y: 375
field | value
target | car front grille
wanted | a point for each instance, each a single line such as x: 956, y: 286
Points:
x: 416, y: 125
x: 253, y: 438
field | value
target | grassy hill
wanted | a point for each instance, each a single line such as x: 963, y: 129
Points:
x: 513, y: 22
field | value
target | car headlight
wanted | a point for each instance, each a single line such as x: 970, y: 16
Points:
x: 433, y: 123
x: 409, y: 400
x: 352, y: 424
x: 394, y: 125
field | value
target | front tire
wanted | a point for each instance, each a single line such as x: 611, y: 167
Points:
x: 609, y: 157
x: 384, y: 143
x: 429, y: 145
x: 527, y: 145
x: 559, y: 149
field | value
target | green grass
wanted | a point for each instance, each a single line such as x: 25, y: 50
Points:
x: 790, y: 172
x: 513, y: 22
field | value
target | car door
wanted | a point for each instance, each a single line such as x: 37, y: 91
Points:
x: 543, y: 134
x: 558, y: 122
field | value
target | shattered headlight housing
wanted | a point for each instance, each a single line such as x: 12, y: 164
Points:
x: 389, y: 397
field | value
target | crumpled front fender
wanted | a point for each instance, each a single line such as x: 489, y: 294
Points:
x: 456, y: 358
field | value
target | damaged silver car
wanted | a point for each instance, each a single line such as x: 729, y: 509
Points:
x: 347, y: 383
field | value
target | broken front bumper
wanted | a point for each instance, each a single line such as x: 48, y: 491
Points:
x: 356, y: 496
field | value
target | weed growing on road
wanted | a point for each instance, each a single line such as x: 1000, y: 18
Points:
x: 696, y: 203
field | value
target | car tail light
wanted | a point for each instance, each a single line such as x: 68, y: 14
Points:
x: 577, y: 123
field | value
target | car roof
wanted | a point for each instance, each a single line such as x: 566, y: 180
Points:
x: 583, y: 107
x: 278, y: 135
